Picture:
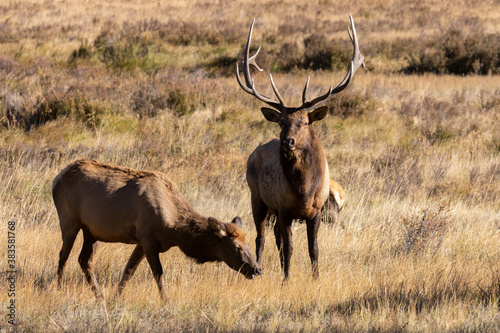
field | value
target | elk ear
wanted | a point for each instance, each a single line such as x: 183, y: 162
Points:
x: 217, y: 227
x: 318, y: 114
x: 271, y: 115
x: 237, y: 221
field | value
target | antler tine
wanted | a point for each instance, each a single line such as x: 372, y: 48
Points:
x: 250, y: 84
x: 264, y: 98
x: 305, y: 103
x: 276, y: 92
x: 245, y: 88
x: 250, y: 60
x: 357, y: 58
x: 304, y: 98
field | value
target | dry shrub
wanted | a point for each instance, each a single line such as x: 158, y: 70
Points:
x: 148, y: 100
x: 323, y: 54
x: 79, y: 107
x: 180, y: 102
x: 222, y: 65
x: 288, y: 57
x: 352, y: 103
x: 120, y: 53
x: 464, y: 49
x: 83, y: 52
x: 426, y: 229
x: 14, y: 112
x: 318, y: 53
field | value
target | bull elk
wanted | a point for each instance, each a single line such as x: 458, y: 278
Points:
x: 290, y: 176
x: 116, y: 204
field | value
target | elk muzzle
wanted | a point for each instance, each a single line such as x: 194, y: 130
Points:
x: 288, y: 143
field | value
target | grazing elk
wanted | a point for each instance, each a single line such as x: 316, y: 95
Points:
x: 290, y: 176
x: 115, y: 204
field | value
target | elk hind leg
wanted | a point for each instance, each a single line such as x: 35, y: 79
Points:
x: 86, y: 260
x: 68, y: 236
x: 134, y: 261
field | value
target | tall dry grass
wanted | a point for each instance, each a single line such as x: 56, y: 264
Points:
x: 401, y: 145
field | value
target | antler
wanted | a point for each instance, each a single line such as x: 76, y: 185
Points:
x: 250, y: 84
x: 356, y: 62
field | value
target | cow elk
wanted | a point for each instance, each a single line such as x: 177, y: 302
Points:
x: 116, y: 204
x: 289, y: 176
x: 334, y: 203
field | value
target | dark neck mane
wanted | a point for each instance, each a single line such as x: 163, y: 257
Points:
x: 304, y: 167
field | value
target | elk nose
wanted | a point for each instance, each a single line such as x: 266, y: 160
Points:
x: 258, y: 271
x: 289, y: 142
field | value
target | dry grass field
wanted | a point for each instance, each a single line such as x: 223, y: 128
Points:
x: 414, y: 141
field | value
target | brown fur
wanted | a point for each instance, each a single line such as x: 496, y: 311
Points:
x: 335, y: 202
x: 116, y: 204
x: 332, y: 207
x: 289, y: 177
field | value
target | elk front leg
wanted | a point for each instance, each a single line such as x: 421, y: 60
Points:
x: 279, y: 241
x: 312, y: 239
x: 285, y: 224
x: 153, y: 257
x: 134, y: 261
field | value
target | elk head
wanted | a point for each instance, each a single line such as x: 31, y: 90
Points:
x: 233, y: 247
x: 294, y: 121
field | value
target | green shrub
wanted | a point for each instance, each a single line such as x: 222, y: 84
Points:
x: 84, y: 51
x: 147, y: 100
x: 457, y: 52
x: 318, y: 53
x: 180, y: 103
x: 223, y: 65
x: 53, y: 107
x: 124, y: 52
x: 288, y: 57
x: 430, y: 60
